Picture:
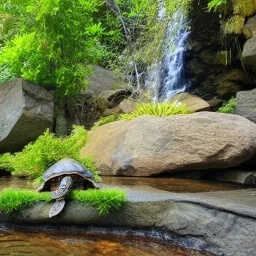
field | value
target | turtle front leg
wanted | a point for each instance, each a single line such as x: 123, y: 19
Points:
x: 63, y: 189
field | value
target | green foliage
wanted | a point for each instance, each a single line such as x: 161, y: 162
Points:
x: 158, y: 109
x: 244, y: 7
x: 229, y: 106
x: 37, y: 157
x: 107, y: 119
x: 50, y: 42
x: 234, y: 25
x: 104, y: 200
x: 215, y: 4
x: 12, y: 200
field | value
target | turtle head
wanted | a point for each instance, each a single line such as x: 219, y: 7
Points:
x: 64, y: 188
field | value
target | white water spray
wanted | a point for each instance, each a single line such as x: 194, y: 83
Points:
x: 166, y: 76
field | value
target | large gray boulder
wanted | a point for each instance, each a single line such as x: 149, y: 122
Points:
x: 246, y: 104
x: 249, y: 53
x: 101, y: 79
x: 26, y: 111
x: 151, y: 145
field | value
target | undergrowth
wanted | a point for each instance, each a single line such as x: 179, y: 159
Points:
x: 38, y: 156
x: 106, y: 120
x: 158, y: 109
x: 13, y: 200
x: 229, y: 106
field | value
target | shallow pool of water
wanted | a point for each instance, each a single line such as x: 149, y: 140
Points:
x: 167, y: 184
x: 13, y: 242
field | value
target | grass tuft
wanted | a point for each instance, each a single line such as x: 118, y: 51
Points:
x: 158, y: 109
x: 13, y: 200
x: 229, y: 106
x: 103, y: 200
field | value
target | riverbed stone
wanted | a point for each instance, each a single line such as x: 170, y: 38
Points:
x: 192, y: 102
x: 26, y: 111
x: 151, y: 145
x: 246, y: 104
x: 223, y: 223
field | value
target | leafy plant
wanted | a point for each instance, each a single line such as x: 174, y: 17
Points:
x: 215, y: 4
x: 107, y: 119
x: 229, y: 106
x: 37, y: 157
x: 13, y: 200
x: 158, y: 109
x: 52, y: 41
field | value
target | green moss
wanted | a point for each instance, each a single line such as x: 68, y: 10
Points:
x: 37, y: 157
x: 107, y: 119
x: 104, y: 200
x: 234, y: 25
x: 229, y: 106
x: 158, y: 109
x: 14, y: 199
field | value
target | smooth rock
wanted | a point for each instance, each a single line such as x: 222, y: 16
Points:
x: 246, y: 104
x: 223, y: 223
x: 249, y: 53
x: 235, y: 176
x: 128, y: 106
x: 150, y: 145
x: 251, y: 25
x: 100, y: 80
x: 193, y: 103
x: 26, y: 111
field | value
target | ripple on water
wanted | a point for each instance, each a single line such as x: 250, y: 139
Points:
x: 30, y: 243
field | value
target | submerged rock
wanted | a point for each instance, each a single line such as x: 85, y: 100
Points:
x: 26, y: 111
x: 151, y: 145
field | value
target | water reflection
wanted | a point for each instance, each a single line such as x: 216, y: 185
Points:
x: 30, y: 243
x: 168, y: 184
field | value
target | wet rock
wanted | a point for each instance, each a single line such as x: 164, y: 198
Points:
x: 249, y: 53
x: 220, y: 222
x: 151, y: 145
x: 61, y: 124
x: 235, y: 176
x: 193, y: 103
x: 115, y: 97
x: 231, y: 81
x: 246, y: 104
x: 100, y: 80
x: 26, y: 111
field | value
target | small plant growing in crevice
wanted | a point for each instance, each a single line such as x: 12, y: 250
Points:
x: 229, y: 106
x: 106, y: 120
x: 13, y: 200
x: 38, y: 156
x: 158, y: 109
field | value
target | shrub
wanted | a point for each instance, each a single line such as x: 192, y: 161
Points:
x: 104, y: 200
x: 158, y: 109
x: 229, y: 106
x: 37, y: 157
x: 106, y: 120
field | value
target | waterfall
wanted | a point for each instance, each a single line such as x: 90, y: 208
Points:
x: 166, y: 77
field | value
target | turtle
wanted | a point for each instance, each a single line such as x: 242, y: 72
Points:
x: 63, y: 176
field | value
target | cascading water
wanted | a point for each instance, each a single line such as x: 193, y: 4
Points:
x: 166, y: 76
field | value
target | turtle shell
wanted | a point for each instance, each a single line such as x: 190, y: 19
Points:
x: 82, y: 177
